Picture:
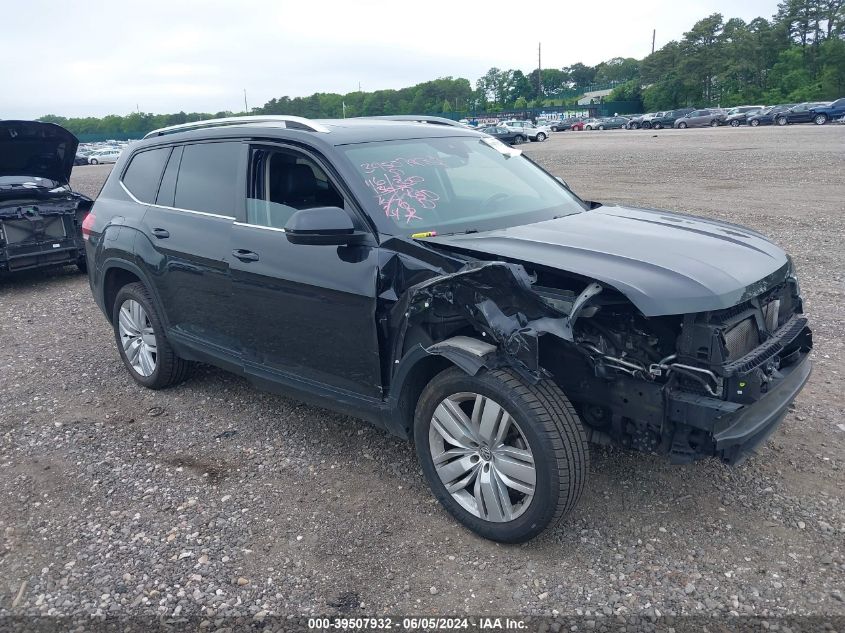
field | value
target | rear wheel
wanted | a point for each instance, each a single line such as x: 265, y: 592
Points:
x: 143, y: 347
x: 820, y: 119
x: 781, y: 120
x: 754, y: 122
x: 682, y: 125
x: 541, y: 137
x: 506, y: 458
x: 601, y: 127
x: 657, y: 125
x: 93, y: 161
x: 734, y: 123
x: 714, y: 123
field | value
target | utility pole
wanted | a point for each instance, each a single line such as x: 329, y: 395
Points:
x: 539, y: 71
x: 246, y: 107
x: 653, y: 35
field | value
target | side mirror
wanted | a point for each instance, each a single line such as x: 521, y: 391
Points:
x: 323, y: 226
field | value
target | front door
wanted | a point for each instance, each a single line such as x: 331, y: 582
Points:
x: 306, y: 311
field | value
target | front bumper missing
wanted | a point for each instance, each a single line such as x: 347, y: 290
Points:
x: 738, y: 429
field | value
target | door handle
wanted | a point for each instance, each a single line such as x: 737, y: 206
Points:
x: 245, y: 255
x: 161, y: 233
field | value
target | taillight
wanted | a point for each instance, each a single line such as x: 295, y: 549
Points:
x: 88, y: 224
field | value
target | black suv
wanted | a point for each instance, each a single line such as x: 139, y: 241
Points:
x: 443, y: 286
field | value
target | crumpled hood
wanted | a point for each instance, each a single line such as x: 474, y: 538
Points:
x: 665, y: 263
x: 32, y: 148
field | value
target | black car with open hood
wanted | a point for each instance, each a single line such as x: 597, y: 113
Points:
x: 40, y: 215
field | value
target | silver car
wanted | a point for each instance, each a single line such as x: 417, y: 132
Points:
x: 107, y: 155
x: 701, y: 118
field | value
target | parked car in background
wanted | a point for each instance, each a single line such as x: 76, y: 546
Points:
x: 738, y: 116
x: 667, y: 119
x: 613, y: 123
x: 830, y: 112
x: 41, y: 218
x: 592, y: 124
x: 505, y: 134
x: 648, y: 121
x: 766, y: 116
x: 81, y: 157
x: 700, y: 118
x: 636, y: 121
x: 531, y: 131
x: 564, y: 124
x: 801, y: 113
x: 577, y: 125
x: 102, y: 156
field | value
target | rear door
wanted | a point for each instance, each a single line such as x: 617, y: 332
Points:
x: 305, y: 312
x: 187, y: 231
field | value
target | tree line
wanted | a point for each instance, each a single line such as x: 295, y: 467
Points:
x: 796, y: 55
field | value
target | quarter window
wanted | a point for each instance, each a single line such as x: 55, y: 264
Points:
x: 208, y: 176
x: 143, y: 175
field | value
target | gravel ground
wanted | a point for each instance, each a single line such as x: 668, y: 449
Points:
x: 214, y: 499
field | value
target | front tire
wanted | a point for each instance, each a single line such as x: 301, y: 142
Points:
x: 541, y: 137
x: 820, y: 119
x: 506, y: 458
x: 143, y: 347
x: 714, y: 123
x: 755, y: 123
x: 734, y: 123
x: 682, y: 126
x: 94, y: 161
x: 519, y: 140
x: 601, y: 127
x: 781, y: 120
x: 657, y: 126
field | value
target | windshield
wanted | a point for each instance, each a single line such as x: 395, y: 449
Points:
x: 454, y: 185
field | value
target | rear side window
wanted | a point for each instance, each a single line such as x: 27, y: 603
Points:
x: 208, y: 177
x: 143, y: 175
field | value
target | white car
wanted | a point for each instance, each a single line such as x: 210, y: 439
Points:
x: 108, y: 155
x: 533, y: 132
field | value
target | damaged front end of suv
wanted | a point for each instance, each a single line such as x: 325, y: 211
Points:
x: 40, y: 216
x: 713, y: 382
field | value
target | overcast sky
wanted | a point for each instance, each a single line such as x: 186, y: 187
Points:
x: 79, y: 58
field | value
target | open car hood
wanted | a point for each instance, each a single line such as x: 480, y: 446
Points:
x: 32, y: 148
x: 665, y: 263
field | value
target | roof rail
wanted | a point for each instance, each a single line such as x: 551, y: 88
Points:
x: 298, y: 123
x: 416, y: 118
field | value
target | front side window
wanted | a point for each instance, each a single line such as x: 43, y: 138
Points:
x: 454, y: 184
x: 208, y: 176
x: 284, y: 181
x: 143, y: 175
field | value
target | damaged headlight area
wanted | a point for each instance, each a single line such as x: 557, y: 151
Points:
x: 687, y: 386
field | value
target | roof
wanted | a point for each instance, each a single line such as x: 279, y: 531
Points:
x: 325, y: 131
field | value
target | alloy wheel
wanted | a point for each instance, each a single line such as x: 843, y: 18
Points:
x: 482, y: 457
x: 137, y: 337
x: 820, y: 119
x: 754, y: 123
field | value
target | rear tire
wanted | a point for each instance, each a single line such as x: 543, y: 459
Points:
x: 541, y: 437
x: 781, y: 120
x: 682, y: 126
x: 541, y: 137
x: 519, y: 140
x: 657, y: 126
x: 167, y: 368
x: 734, y: 123
x: 94, y: 161
x: 754, y: 122
x: 714, y: 123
